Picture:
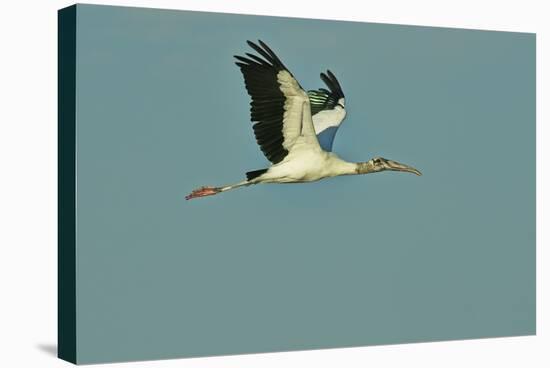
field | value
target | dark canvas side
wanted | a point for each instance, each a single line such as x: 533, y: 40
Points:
x: 66, y: 338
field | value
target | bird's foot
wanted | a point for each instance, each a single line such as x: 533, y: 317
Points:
x: 203, y: 192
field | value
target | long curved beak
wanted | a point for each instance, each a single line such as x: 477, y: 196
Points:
x: 397, y: 166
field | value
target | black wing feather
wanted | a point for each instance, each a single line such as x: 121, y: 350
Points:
x: 326, y: 99
x: 267, y: 105
x: 332, y: 83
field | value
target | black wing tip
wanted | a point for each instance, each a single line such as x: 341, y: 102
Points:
x: 259, y: 43
x: 241, y: 58
x: 265, y: 51
x: 332, y: 83
x: 266, y: 48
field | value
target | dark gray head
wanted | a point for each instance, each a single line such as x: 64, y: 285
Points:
x: 378, y: 164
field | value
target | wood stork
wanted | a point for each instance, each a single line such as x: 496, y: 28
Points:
x: 295, y: 129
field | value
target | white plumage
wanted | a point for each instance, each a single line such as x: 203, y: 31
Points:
x: 294, y: 128
x: 330, y: 118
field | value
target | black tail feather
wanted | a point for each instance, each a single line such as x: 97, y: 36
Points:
x: 254, y: 174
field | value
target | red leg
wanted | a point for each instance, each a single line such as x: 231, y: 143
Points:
x: 203, y: 192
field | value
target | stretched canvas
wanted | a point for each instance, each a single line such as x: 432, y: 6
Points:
x: 306, y: 252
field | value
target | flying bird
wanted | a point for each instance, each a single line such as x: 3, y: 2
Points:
x: 295, y: 129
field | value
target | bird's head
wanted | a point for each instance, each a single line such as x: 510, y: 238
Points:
x: 378, y: 164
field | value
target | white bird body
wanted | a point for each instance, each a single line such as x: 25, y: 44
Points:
x: 294, y: 128
x: 304, y: 164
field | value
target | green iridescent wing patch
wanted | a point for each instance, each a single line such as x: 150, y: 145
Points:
x: 320, y: 100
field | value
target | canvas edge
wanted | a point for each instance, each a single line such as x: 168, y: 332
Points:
x: 66, y: 251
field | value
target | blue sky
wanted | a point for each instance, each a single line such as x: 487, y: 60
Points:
x: 374, y: 259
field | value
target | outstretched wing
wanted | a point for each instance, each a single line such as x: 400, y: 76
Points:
x: 328, y: 110
x: 280, y: 108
